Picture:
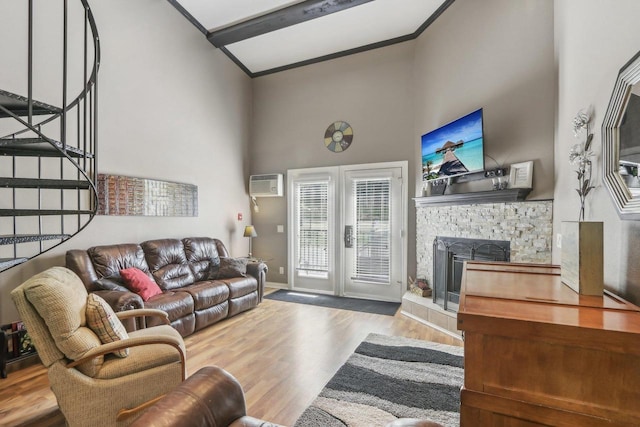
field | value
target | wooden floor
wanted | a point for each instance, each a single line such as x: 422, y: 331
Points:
x: 282, y: 353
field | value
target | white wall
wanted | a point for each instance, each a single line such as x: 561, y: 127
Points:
x: 172, y: 107
x: 594, y: 39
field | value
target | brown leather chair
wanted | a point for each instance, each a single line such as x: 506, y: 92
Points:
x: 213, y: 398
x: 209, y: 398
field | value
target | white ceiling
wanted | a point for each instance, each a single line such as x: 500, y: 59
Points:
x: 377, y: 22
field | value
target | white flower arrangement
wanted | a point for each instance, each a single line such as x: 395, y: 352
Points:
x: 580, y: 156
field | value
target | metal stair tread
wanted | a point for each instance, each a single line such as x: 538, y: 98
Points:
x: 6, y: 263
x: 8, y: 239
x: 19, y: 105
x: 43, y: 183
x: 39, y: 212
x: 37, y: 147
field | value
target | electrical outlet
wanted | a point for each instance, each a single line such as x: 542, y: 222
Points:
x: 280, y: 228
x: 281, y: 270
x: 559, y: 240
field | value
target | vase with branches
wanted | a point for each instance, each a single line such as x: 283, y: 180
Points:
x: 580, y: 156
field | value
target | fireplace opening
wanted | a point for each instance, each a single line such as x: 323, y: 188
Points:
x: 449, y: 255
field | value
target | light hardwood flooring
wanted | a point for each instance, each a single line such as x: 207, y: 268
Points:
x: 282, y: 353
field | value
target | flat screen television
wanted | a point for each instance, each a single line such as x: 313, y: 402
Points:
x: 454, y: 149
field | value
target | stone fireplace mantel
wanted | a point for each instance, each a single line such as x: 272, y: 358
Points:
x: 493, y: 196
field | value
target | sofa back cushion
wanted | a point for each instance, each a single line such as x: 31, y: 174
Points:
x: 202, y: 255
x: 109, y: 260
x: 168, y: 263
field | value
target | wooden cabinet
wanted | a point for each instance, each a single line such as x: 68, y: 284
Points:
x: 537, y: 353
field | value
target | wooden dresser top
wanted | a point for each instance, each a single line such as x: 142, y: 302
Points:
x: 534, y: 293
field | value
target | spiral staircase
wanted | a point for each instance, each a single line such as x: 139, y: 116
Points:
x: 47, y: 153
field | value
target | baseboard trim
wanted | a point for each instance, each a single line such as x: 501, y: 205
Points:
x: 276, y: 285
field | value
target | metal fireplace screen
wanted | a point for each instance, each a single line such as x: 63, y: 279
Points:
x: 125, y: 195
x: 449, y: 255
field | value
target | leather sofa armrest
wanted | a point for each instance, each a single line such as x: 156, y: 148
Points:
x: 80, y: 263
x: 124, y: 301
x: 259, y: 271
x: 209, y: 394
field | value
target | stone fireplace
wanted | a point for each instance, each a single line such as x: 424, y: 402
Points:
x: 449, y: 255
x: 525, y: 225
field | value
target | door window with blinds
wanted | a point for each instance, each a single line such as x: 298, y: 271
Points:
x: 372, y: 222
x: 312, y: 229
x: 345, y: 234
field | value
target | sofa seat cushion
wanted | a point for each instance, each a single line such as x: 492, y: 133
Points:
x: 240, y: 286
x: 176, y: 304
x: 208, y: 293
x: 142, y: 357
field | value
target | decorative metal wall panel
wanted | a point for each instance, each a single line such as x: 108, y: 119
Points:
x: 125, y: 195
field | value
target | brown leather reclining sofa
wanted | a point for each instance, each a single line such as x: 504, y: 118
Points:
x: 185, y: 272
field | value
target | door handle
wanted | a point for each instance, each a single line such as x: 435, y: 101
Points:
x: 348, y: 236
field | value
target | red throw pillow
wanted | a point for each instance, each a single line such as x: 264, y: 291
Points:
x: 137, y: 281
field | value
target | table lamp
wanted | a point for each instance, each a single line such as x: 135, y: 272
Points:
x: 250, y: 232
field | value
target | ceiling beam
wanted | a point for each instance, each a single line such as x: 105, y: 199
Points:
x: 377, y: 45
x: 292, y: 15
x: 189, y: 16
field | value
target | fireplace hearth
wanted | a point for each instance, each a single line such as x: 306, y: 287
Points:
x: 449, y: 255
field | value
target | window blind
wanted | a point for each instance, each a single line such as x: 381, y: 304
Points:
x: 372, y: 230
x: 313, y: 226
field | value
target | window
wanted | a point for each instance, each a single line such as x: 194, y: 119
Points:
x: 312, y: 229
x: 372, y: 230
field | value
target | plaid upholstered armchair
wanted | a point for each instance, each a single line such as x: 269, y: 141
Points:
x: 100, y: 374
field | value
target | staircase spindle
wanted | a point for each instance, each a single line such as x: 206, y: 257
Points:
x: 30, y: 64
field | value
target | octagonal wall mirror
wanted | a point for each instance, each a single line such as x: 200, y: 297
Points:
x: 621, y: 142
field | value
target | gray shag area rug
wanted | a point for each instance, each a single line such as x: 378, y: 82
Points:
x: 388, y: 378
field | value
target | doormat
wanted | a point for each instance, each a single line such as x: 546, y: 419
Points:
x: 343, y: 303
x: 389, y: 378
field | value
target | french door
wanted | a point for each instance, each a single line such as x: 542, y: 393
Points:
x: 346, y: 230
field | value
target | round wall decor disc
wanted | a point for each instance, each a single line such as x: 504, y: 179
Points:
x: 338, y: 136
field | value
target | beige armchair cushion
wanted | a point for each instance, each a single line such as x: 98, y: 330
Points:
x: 60, y: 300
x: 145, y: 357
x: 103, y: 321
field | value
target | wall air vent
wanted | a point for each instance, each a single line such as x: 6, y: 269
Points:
x: 269, y: 185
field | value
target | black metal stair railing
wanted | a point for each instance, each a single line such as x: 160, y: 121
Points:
x: 48, y: 166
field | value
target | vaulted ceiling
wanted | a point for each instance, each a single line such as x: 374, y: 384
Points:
x: 267, y: 36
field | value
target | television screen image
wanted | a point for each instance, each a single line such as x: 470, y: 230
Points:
x: 454, y: 149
